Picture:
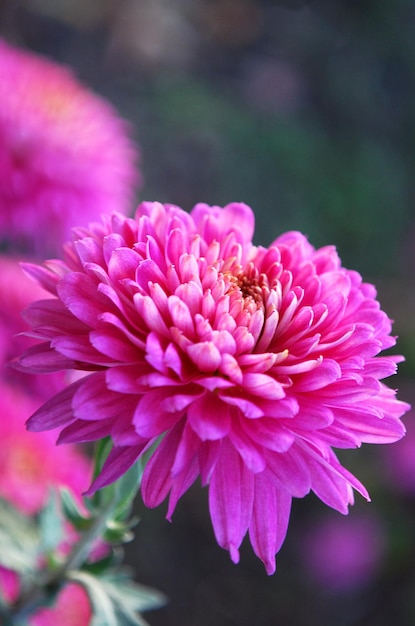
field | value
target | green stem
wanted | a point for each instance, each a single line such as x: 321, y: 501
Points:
x: 35, y: 595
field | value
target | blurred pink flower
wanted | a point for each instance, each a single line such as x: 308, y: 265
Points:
x: 9, y: 584
x: 344, y: 554
x: 30, y: 464
x: 17, y: 291
x: 72, y: 608
x: 245, y: 364
x: 65, y: 156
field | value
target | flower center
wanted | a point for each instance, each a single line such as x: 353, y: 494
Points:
x: 250, y: 287
x: 250, y: 284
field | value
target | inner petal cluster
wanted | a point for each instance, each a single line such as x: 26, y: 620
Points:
x: 246, y: 365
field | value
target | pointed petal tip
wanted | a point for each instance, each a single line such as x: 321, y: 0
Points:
x: 89, y: 492
x: 34, y: 425
x: 270, y: 566
x: 234, y: 554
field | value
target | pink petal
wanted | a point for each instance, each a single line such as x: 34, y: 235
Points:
x: 55, y: 412
x: 155, y: 349
x: 290, y: 471
x: 157, y: 478
x: 118, y: 462
x: 247, y: 407
x: 209, y: 417
x: 268, y: 433
x: 331, y: 482
x: 112, y: 344
x: 79, y: 294
x: 150, y: 314
x: 124, y: 379
x: 80, y: 431
x: 369, y: 428
x: 205, y: 356
x: 263, y: 385
x: 208, y: 457
x: 181, y: 483
x: 42, y: 360
x: 44, y: 276
x: 181, y: 316
x: 191, y: 294
x: 89, y: 251
x: 325, y: 374
x: 123, y: 264
x: 50, y: 316
x: 270, y: 517
x: 93, y: 401
x: 187, y: 450
x: 176, y: 245
x: 229, y: 366
x: 249, y: 450
x: 231, y: 495
x: 150, y: 419
x: 79, y: 349
x: 149, y: 272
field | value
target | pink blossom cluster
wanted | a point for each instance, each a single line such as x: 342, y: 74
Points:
x: 31, y: 464
x: 65, y: 158
x: 71, y: 608
x: 16, y: 292
x: 65, y: 155
x: 241, y: 364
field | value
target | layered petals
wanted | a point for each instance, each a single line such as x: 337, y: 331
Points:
x: 242, y: 365
x: 65, y: 155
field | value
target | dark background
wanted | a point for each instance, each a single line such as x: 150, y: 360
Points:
x: 305, y: 111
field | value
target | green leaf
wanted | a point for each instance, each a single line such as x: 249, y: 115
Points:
x: 19, y: 540
x: 111, y: 560
x: 119, y: 532
x: 72, y: 511
x: 134, y: 595
x: 116, y: 600
x: 126, y: 489
x: 121, y: 493
x: 106, y: 495
x: 102, y: 449
x: 50, y: 524
x: 104, y: 613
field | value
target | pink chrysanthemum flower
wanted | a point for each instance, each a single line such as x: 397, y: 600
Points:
x: 246, y: 364
x: 30, y: 465
x: 16, y: 292
x: 72, y: 608
x: 65, y: 156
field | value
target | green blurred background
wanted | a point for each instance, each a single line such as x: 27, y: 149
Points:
x: 305, y: 111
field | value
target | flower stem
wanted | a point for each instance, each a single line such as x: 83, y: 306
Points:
x: 49, y: 581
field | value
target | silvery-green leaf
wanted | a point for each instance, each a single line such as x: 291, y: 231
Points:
x: 72, y: 511
x: 110, y: 606
x: 50, y: 524
x: 126, y: 489
x: 103, y: 609
x: 134, y: 595
x: 105, y: 495
x: 119, y: 532
x: 19, y: 540
x: 111, y: 560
